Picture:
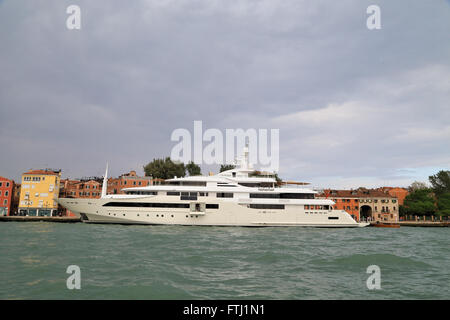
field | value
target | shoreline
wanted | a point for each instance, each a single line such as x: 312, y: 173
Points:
x: 78, y: 220
x: 34, y: 219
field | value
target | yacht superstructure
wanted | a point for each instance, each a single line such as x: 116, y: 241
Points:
x: 235, y: 197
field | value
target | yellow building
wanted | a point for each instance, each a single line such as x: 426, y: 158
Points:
x: 39, y: 192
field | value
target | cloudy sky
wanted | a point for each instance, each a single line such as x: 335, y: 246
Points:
x: 355, y: 107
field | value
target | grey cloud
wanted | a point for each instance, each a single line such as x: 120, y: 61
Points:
x: 116, y: 89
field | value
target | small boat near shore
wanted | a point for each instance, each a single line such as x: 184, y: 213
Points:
x: 385, y: 224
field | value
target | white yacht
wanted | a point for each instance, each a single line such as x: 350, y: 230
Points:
x: 234, y: 197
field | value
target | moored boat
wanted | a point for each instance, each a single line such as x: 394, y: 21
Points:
x: 236, y: 197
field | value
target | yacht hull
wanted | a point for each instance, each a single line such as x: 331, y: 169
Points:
x: 134, y: 211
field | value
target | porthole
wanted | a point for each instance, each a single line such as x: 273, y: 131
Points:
x: 187, y: 216
x: 172, y: 216
x: 162, y: 215
x: 157, y: 215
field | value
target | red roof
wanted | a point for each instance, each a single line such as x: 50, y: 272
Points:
x: 358, y: 193
x: 40, y: 171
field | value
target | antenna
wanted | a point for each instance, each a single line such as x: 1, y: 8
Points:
x: 105, y: 182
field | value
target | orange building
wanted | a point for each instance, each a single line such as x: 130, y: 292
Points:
x: 127, y: 180
x: 364, y: 204
x: 6, y: 196
x: 80, y: 188
x: 399, y: 193
x: 347, y: 200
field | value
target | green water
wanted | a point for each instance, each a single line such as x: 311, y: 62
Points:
x: 176, y: 262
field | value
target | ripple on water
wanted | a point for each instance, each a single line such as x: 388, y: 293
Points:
x: 170, y: 262
x: 361, y: 261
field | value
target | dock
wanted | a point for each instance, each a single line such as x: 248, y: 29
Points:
x: 36, y: 219
x: 424, y: 223
x: 411, y: 224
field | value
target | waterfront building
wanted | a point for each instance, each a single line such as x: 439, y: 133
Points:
x: 15, y: 199
x: 6, y: 196
x: 365, y: 204
x: 399, y: 193
x: 39, y: 192
x: 84, y: 188
x: 128, y: 180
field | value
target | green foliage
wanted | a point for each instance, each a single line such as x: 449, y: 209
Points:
x: 440, y: 182
x: 225, y: 167
x: 402, y: 211
x: 419, y: 202
x: 443, y: 204
x: 429, y: 201
x: 193, y: 169
x: 164, y: 169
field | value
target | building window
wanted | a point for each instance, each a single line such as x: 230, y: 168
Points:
x: 5, y: 202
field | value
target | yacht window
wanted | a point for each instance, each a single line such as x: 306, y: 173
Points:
x: 212, y: 206
x: 188, y: 196
x: 146, y: 205
x: 173, y: 193
x: 282, y: 195
x: 267, y: 206
x: 224, y: 195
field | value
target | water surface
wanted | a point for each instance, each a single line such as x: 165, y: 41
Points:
x: 180, y: 262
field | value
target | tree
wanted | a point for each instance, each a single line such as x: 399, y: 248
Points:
x: 225, y: 167
x: 193, y: 169
x: 164, y: 169
x: 443, y: 204
x: 279, y: 180
x: 440, y: 182
x: 419, y: 202
x: 417, y: 185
